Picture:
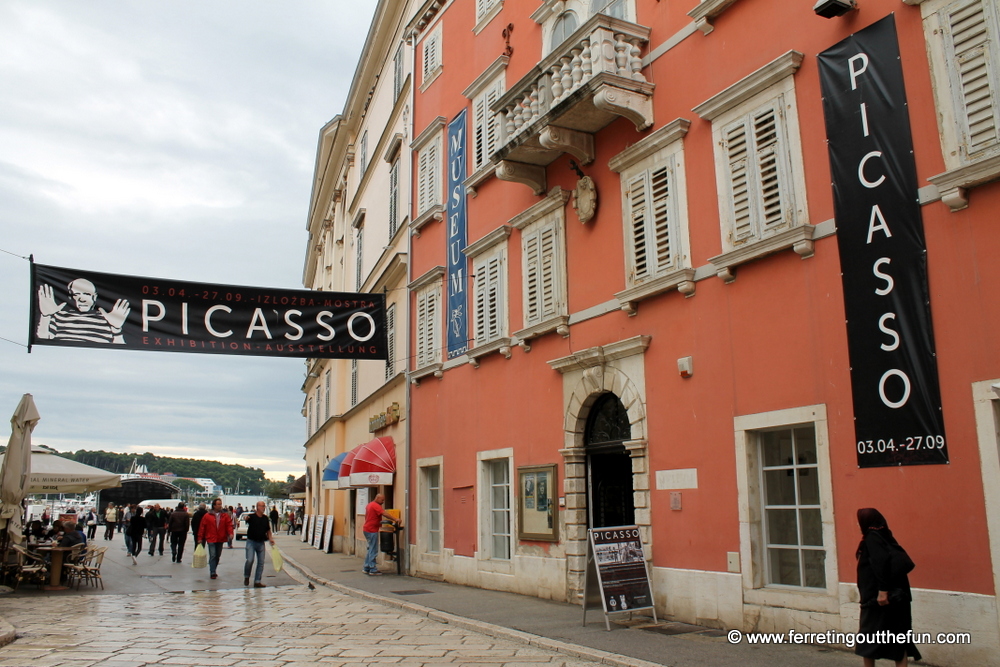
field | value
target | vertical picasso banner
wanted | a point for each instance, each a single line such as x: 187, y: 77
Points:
x: 458, y: 273
x: 883, y: 256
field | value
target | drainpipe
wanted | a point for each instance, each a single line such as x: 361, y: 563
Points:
x: 409, y: 279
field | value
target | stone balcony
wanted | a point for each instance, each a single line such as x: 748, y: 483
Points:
x: 594, y: 77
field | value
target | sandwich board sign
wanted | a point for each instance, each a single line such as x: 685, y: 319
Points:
x: 616, y: 572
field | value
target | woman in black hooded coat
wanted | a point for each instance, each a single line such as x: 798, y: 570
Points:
x: 885, y: 596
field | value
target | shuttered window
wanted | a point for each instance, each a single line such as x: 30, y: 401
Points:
x: 354, y: 382
x: 486, y: 124
x: 653, y: 216
x: 428, y: 176
x: 393, y: 198
x: 428, y: 332
x: 397, y: 73
x: 971, y: 48
x: 760, y: 195
x: 326, y: 396
x: 483, y: 7
x: 542, y: 275
x: 363, y: 150
x: 358, y: 258
x: 390, y: 334
x: 490, y: 299
x: 431, y: 55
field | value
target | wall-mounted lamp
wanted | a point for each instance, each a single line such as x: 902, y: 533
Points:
x: 829, y: 9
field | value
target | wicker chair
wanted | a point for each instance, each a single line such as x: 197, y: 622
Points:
x: 30, y: 567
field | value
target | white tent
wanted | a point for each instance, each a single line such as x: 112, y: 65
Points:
x: 54, y: 474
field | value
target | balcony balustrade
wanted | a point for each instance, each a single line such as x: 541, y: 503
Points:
x: 591, y: 79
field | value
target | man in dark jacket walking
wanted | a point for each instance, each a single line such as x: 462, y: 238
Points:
x: 156, y: 524
x: 196, y: 519
x: 177, y: 526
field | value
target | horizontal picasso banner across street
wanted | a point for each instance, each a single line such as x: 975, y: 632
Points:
x: 88, y: 309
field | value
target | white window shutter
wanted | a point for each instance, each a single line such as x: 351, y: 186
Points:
x: 548, y: 285
x: 393, y: 198
x: 638, y: 197
x: 481, y: 305
x: 532, y: 278
x: 969, y: 43
x: 661, y: 218
x: 493, y: 119
x: 494, y: 298
x: 479, y: 122
x: 771, y: 170
x: 434, y: 175
x: 741, y: 205
x: 390, y: 343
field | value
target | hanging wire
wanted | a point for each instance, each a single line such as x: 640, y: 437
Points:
x: 15, y: 254
x: 13, y: 341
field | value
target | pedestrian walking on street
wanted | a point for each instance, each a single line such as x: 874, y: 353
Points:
x: 91, y: 521
x: 373, y: 521
x: 215, y: 529
x: 136, y: 529
x: 156, y: 521
x: 125, y: 517
x: 275, y: 518
x: 233, y: 517
x: 178, y: 525
x: 291, y: 522
x: 196, y: 519
x: 884, y: 590
x: 110, y: 521
x: 258, y: 530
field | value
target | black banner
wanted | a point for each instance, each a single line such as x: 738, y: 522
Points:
x: 88, y: 309
x: 621, y: 568
x: 883, y: 257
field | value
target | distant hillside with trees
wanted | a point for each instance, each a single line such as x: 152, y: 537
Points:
x: 249, y: 481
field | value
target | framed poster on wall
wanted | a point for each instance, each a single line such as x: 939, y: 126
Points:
x: 537, y: 514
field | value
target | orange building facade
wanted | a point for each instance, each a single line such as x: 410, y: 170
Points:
x: 627, y: 307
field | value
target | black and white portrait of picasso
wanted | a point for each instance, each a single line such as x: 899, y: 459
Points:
x: 81, y: 320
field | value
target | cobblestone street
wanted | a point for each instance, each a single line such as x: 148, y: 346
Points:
x: 280, y: 626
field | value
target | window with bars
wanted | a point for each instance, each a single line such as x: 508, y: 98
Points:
x: 431, y: 56
x: 544, y: 273
x: 486, y: 123
x: 390, y: 335
x: 429, y: 175
x: 354, y: 382
x: 792, y: 526
x: 393, y: 198
x: 490, y: 304
x: 432, y: 503
x: 499, y: 517
x: 760, y: 198
x: 428, y: 326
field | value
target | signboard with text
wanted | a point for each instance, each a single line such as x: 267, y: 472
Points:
x: 457, y: 276
x: 621, y: 568
x: 76, y: 308
x: 883, y: 256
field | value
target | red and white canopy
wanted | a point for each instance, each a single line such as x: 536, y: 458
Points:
x: 344, y: 479
x: 373, y: 464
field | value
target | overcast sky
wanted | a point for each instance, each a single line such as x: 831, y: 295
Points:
x: 173, y: 140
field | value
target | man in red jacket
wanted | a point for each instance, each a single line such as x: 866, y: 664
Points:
x: 215, y: 530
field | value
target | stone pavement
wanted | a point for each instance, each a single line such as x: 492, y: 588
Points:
x: 286, y: 626
x: 553, y: 625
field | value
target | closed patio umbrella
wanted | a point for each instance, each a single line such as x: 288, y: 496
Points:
x: 16, y: 466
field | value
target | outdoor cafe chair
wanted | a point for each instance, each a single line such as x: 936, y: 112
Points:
x: 30, y: 567
x: 92, y: 570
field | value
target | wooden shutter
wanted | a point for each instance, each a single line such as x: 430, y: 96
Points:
x: 770, y: 167
x: 480, y: 121
x: 660, y: 185
x: 426, y: 327
x: 430, y: 56
x: 541, y: 275
x: 354, y: 382
x: 427, y: 183
x: 393, y: 198
x: 359, y: 258
x: 489, y: 305
x: 638, y: 197
x: 493, y: 119
x: 390, y: 335
x: 737, y: 154
x: 969, y: 44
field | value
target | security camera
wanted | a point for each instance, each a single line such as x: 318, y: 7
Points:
x: 831, y: 8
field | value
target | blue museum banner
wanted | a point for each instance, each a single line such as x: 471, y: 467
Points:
x: 458, y: 265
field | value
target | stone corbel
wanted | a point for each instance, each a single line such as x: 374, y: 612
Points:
x: 686, y: 288
x: 637, y: 107
x: 726, y: 273
x: 703, y: 26
x: 956, y: 198
x: 578, y: 144
x: 804, y: 248
x: 531, y: 175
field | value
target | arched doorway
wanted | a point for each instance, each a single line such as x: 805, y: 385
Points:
x: 610, y: 500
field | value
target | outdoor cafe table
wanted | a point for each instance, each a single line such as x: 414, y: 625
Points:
x: 55, y: 567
